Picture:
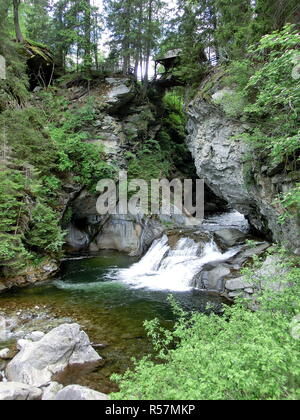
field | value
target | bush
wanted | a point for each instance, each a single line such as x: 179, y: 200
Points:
x: 242, y: 355
x: 268, y: 94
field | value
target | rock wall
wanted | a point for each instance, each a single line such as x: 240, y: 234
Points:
x: 223, y: 162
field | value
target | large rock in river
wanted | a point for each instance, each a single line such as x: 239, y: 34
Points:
x: 63, y: 350
x: 14, y: 391
x: 79, y: 393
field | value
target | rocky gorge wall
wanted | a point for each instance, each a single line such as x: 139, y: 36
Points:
x: 223, y: 159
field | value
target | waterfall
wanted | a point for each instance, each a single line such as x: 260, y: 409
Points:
x: 164, y: 268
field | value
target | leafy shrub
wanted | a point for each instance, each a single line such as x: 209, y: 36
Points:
x: 268, y: 94
x: 242, y: 355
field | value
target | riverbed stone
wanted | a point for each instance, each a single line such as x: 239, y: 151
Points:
x: 229, y: 237
x: 65, y: 348
x: 79, y: 393
x: 14, y: 391
x: 51, y: 390
x: 211, y: 278
x: 4, y: 353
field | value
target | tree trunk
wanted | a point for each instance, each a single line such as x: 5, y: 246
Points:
x: 87, y: 36
x: 19, y: 35
x: 149, y: 42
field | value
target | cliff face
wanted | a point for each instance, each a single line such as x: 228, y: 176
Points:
x: 226, y: 165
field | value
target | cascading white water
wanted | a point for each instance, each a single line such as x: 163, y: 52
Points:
x: 163, y: 268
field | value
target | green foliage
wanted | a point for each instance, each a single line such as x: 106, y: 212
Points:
x: 270, y: 97
x: 13, y: 215
x: 25, y: 135
x: 13, y: 90
x: 85, y: 160
x: 44, y: 144
x: 290, y: 201
x: 173, y: 133
x: 45, y: 234
x: 242, y: 355
x: 149, y: 163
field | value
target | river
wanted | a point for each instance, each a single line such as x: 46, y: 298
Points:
x: 111, y: 295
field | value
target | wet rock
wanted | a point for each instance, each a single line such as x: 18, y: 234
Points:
x: 132, y: 234
x: 230, y: 237
x: 76, y: 239
x: 14, y: 391
x: 33, y: 275
x: 211, y: 278
x: 79, y: 393
x: 120, y: 233
x: 64, y: 348
x: 248, y: 252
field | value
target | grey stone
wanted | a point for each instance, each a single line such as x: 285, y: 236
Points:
x: 230, y: 237
x: 212, y: 279
x: 238, y: 284
x: 3, y: 330
x: 64, y: 348
x: 22, y: 343
x: 248, y: 252
x: 76, y: 239
x: 4, y: 353
x: 35, y: 336
x: 235, y: 294
x: 79, y: 393
x: 14, y: 391
x: 132, y: 234
x: 50, y: 391
x: 121, y: 91
x: 220, y: 153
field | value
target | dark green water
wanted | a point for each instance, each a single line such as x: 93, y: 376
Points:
x: 109, y: 311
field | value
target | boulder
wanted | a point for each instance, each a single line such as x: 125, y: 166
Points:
x: 65, y: 348
x: 270, y: 276
x: 14, y: 391
x: 79, y: 393
x: 238, y: 284
x: 50, y: 391
x: 132, y: 234
x: 248, y: 252
x: 229, y: 237
x: 212, y: 278
x: 4, y: 353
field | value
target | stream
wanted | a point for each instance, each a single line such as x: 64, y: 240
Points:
x: 110, y: 295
